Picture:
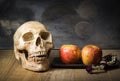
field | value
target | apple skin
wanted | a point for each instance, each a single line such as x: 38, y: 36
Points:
x: 91, y: 54
x: 70, y: 54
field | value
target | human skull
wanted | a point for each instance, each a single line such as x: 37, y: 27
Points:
x: 32, y: 45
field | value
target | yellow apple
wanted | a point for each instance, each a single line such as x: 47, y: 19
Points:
x: 91, y: 54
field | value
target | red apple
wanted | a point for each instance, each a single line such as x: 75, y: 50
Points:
x: 70, y: 54
x: 91, y: 54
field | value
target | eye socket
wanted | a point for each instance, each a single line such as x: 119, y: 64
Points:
x: 44, y: 35
x: 28, y: 36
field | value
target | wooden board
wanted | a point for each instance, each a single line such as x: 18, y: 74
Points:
x: 11, y: 70
x: 56, y: 63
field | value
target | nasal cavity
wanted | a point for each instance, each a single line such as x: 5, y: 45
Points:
x: 38, y: 41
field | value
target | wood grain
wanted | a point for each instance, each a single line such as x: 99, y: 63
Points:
x: 11, y: 70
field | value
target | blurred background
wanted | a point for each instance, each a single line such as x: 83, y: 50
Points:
x: 78, y: 22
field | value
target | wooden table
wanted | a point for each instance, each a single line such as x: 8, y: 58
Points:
x: 11, y: 70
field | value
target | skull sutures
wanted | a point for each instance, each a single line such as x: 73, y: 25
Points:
x: 32, y: 45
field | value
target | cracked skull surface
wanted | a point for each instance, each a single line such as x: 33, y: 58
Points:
x: 32, y: 45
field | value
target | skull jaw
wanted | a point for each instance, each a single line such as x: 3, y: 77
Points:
x: 44, y: 66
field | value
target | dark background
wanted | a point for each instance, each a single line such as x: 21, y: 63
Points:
x: 78, y: 22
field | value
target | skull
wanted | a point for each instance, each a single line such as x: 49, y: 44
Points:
x: 32, y: 45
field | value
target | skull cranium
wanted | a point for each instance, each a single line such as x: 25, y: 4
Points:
x: 32, y: 44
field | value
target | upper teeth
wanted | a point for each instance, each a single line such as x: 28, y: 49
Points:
x: 36, y: 54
